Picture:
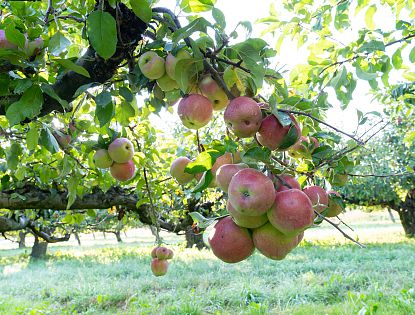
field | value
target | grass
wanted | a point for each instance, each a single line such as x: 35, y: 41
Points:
x: 325, y: 275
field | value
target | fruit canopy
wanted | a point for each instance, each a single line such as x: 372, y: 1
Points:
x: 71, y: 83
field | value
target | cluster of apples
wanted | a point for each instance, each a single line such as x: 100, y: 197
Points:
x: 118, y: 158
x: 31, y: 48
x: 159, y: 263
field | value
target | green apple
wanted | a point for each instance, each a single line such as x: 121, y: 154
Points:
x: 102, y: 159
x: 171, y: 62
x: 151, y: 65
x: 213, y: 92
x: 167, y: 84
x: 121, y: 150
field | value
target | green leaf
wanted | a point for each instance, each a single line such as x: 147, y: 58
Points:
x: 219, y: 18
x: 362, y: 74
x: 48, y: 89
x: 32, y: 138
x: 102, y: 33
x: 197, y: 5
x: 372, y: 46
x: 291, y: 138
x: 201, y: 221
x: 105, y: 108
x: 58, y: 43
x: 397, y: 59
x: 185, y: 71
x: 15, y: 36
x: 203, y: 162
x: 28, y: 106
x: 283, y: 118
x: 13, y: 155
x: 142, y: 9
x: 412, y: 55
x: 48, y: 141
x: 204, y: 182
x: 197, y: 25
x: 72, y: 186
x: 370, y: 12
x: 68, y: 64
x: 256, y: 154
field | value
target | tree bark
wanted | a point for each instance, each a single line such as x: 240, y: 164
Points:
x: 193, y: 239
x: 407, y: 214
x: 77, y: 238
x: 39, y: 249
x: 118, y: 236
x: 22, y: 239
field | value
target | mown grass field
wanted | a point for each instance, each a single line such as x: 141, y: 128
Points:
x: 325, y: 275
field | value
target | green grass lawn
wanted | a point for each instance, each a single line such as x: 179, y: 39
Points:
x: 325, y: 275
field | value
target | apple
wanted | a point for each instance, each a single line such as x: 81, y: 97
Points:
x: 318, y: 197
x: 225, y: 173
x: 213, y: 92
x: 167, y: 84
x: 244, y: 220
x: 171, y: 62
x: 123, y: 171
x: 32, y: 48
x: 272, y: 243
x: 243, y: 116
x: 164, y: 253
x: 4, y: 42
x: 250, y: 192
x: 226, y: 158
x: 301, y: 148
x: 63, y: 139
x: 177, y: 170
x: 153, y: 252
x: 271, y: 133
x: 151, y: 65
x: 292, y: 212
x: 334, y: 208
x: 159, y: 266
x: 283, y: 179
x: 195, y: 111
x: 158, y: 92
x: 121, y: 150
x: 230, y: 242
x: 102, y: 159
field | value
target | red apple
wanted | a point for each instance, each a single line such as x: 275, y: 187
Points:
x: 159, y: 266
x: 213, y: 92
x: 251, y: 192
x: 123, y: 171
x: 171, y: 62
x: 271, y: 133
x: 225, y: 173
x: 243, y: 116
x: 286, y: 179
x: 292, y: 212
x: 195, y: 111
x: 4, y: 42
x: 177, y: 170
x: 151, y: 65
x: 318, y: 197
x: 164, y: 253
x: 121, y: 150
x: 230, y: 242
x: 244, y: 220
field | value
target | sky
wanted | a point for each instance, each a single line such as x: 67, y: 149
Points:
x: 241, y: 10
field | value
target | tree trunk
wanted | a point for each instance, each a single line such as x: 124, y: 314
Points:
x: 22, y: 239
x: 77, y: 238
x: 193, y: 239
x: 407, y: 214
x: 118, y: 236
x: 39, y: 249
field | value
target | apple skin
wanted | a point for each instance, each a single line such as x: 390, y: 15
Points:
x: 4, y: 42
x: 272, y: 243
x: 225, y: 173
x: 290, y: 180
x: 318, y: 197
x: 244, y: 220
x: 292, y: 212
x: 177, y: 170
x: 171, y: 62
x: 159, y: 267
x: 230, y: 242
x: 271, y: 133
x: 226, y: 158
x: 63, y: 139
x: 121, y: 150
x: 151, y: 65
x: 123, y: 171
x: 251, y: 192
x: 102, y: 159
x: 153, y: 252
x: 164, y: 253
x: 243, y: 116
x: 334, y: 209
x: 213, y: 92
x: 167, y: 84
x: 195, y: 111
x: 301, y: 148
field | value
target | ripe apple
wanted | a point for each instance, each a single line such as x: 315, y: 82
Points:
x: 177, y: 170
x: 292, y: 212
x: 123, y: 171
x: 250, y: 192
x: 195, y: 111
x: 334, y: 208
x: 151, y: 65
x: 225, y: 173
x: 164, y: 253
x: 272, y: 243
x: 301, y: 148
x: 271, y: 133
x: 4, y: 42
x: 153, y: 252
x: 171, y: 62
x: 230, y: 242
x: 243, y: 116
x: 226, y: 158
x: 282, y: 179
x: 63, y: 139
x: 213, y: 92
x: 159, y: 266
x: 167, y: 84
x: 121, y: 150
x: 318, y: 197
x: 244, y: 220
x: 102, y: 159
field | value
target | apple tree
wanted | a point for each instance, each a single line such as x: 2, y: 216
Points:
x: 81, y: 81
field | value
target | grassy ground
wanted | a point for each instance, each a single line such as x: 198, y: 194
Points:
x: 325, y: 275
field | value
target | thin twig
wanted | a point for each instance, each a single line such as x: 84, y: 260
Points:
x: 48, y: 11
